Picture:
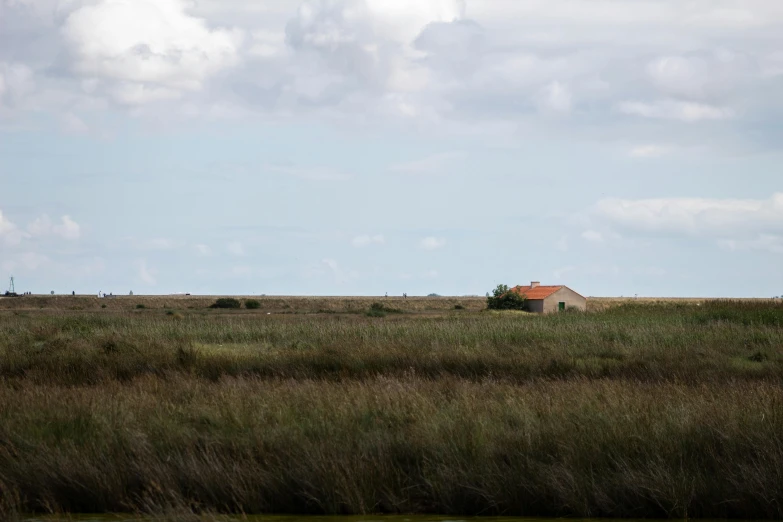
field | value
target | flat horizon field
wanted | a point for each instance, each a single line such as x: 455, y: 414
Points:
x: 636, y: 410
x: 312, y: 304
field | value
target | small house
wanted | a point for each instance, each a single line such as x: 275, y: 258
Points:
x: 550, y: 299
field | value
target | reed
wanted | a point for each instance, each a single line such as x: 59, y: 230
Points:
x: 635, y: 411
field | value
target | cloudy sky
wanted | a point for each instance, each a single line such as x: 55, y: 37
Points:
x: 357, y: 147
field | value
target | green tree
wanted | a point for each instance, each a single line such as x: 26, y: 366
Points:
x: 503, y: 298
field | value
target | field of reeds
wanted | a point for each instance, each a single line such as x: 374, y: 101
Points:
x: 638, y: 410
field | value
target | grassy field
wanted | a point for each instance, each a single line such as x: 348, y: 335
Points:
x: 642, y: 409
x: 275, y: 304
x: 299, y: 304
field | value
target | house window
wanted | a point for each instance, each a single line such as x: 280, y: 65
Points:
x: 561, y: 307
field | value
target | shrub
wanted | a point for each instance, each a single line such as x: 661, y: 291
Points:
x: 459, y: 307
x: 227, y: 303
x: 103, y: 306
x: 139, y: 307
x: 503, y: 298
x: 380, y: 310
x: 252, y: 304
x: 383, y: 308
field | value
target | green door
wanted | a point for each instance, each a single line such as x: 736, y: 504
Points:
x: 561, y: 307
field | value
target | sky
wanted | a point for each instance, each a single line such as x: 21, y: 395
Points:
x: 365, y: 147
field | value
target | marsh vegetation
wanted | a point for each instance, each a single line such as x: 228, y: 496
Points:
x: 655, y: 410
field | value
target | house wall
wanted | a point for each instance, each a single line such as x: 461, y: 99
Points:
x: 536, y: 305
x: 564, y: 295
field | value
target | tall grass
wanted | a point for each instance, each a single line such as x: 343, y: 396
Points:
x: 642, y: 343
x: 579, y: 448
x: 637, y: 411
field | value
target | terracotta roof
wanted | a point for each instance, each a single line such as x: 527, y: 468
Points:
x: 539, y: 292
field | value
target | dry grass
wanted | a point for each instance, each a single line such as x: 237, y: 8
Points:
x: 654, y: 410
x: 577, y: 448
x: 597, y: 304
x: 300, y: 304
x: 623, y: 344
x: 290, y: 304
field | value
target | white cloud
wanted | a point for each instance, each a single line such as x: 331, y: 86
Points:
x: 332, y: 23
x: 425, y: 63
x: 128, y: 93
x: 9, y: 232
x: 680, y: 76
x: 434, y: 164
x: 649, y: 151
x: 639, y: 16
x: 67, y: 228
x: 432, y: 243
x: 236, y: 248
x: 267, y: 44
x: 357, y: 56
x: 153, y: 48
x: 367, y: 240
x: 696, y: 216
x: 562, y: 244
x: 705, y: 75
x: 405, y: 19
x: 203, y: 250
x: 676, y: 110
x: 592, y: 236
x: 40, y: 227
